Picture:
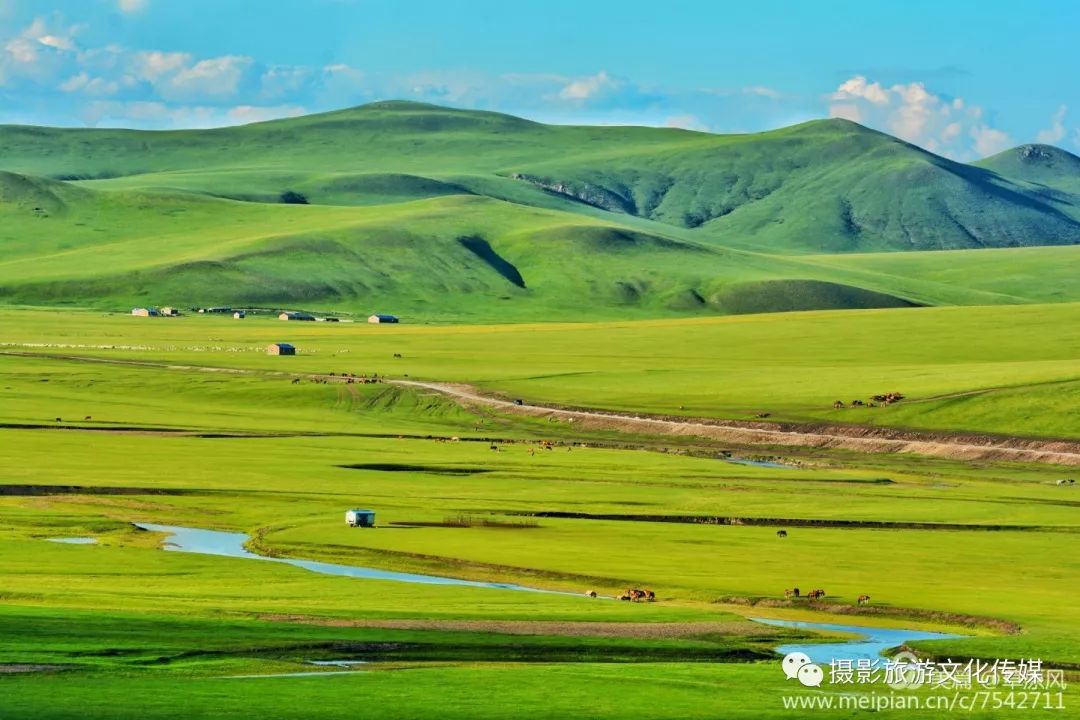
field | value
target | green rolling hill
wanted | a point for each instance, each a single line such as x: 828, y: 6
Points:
x: 446, y: 213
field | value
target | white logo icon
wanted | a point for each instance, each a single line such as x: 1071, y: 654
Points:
x: 792, y: 662
x: 811, y: 675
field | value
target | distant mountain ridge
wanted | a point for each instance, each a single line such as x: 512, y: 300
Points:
x: 413, y: 201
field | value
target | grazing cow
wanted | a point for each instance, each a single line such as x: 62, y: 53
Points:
x: 590, y: 593
x: 857, y: 403
x: 815, y: 594
x: 650, y: 595
x: 87, y: 418
x: 864, y: 599
x: 838, y: 404
x: 59, y: 419
x: 795, y: 592
x: 762, y: 415
x: 494, y: 447
x: 781, y: 533
x: 397, y: 355
x: 626, y: 597
x: 789, y: 593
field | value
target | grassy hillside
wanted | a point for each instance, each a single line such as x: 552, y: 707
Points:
x: 452, y: 257
x: 461, y: 214
x: 826, y: 185
x: 1043, y: 166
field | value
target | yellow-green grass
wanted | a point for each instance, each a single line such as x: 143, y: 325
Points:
x: 1045, y: 274
x: 295, y: 490
x: 1010, y: 370
x: 467, y: 691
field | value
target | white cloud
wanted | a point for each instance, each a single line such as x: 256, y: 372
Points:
x: 131, y: 6
x: 212, y: 78
x: 1056, y: 132
x: 39, y: 51
x: 763, y: 91
x: 989, y: 141
x: 686, y: 122
x: 857, y: 88
x: 846, y: 111
x: 284, y: 80
x: 84, y: 83
x: 587, y: 87
x: 948, y: 126
x: 153, y: 65
x: 254, y: 113
x: 156, y: 114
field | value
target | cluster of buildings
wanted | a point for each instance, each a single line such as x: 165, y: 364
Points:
x: 308, y: 317
x: 377, y: 318
x: 155, y: 312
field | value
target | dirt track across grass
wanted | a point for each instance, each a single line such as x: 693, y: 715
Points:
x: 846, y: 437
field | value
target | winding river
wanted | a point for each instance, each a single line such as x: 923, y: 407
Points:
x: 871, y: 643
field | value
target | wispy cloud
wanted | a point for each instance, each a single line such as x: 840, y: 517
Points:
x: 131, y: 6
x: 1056, y: 132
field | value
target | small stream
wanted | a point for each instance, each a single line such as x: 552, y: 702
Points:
x: 761, y: 463
x: 873, y: 641
x: 231, y: 544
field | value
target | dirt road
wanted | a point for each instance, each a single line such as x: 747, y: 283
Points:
x: 858, y: 438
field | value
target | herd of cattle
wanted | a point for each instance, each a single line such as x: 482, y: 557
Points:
x: 875, y: 400
x: 631, y: 595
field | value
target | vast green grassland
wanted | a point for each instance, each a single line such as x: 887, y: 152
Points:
x: 109, y: 420
x: 1009, y: 370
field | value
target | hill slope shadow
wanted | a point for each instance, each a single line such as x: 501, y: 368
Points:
x: 483, y: 250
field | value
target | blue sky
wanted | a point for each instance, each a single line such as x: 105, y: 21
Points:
x: 962, y: 78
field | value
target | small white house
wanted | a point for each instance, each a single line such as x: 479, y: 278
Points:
x: 144, y: 312
x: 239, y: 315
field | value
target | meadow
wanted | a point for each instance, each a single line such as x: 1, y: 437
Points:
x: 1010, y: 370
x: 109, y: 420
